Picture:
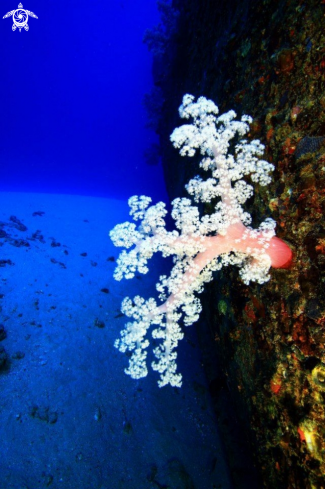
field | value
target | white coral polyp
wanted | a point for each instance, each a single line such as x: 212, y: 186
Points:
x: 200, y: 245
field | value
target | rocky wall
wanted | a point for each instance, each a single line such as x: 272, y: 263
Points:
x: 267, y: 59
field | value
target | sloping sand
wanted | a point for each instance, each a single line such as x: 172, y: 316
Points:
x: 69, y: 416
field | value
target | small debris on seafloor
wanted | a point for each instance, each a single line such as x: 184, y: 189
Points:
x: 119, y: 315
x: 18, y: 355
x: 19, y: 243
x: 3, y: 333
x: 98, y: 414
x: 55, y: 243
x: 3, y: 263
x: 62, y: 265
x: 37, y: 236
x: 3, y: 358
x: 18, y: 224
x: 99, y: 324
x: 44, y: 414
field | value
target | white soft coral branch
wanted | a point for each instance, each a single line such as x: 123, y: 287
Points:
x: 199, y: 245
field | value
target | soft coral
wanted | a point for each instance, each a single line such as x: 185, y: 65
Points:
x: 200, y: 245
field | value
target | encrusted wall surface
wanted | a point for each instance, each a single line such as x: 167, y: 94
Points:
x: 267, y: 59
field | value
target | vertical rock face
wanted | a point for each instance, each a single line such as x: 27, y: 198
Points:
x: 264, y: 58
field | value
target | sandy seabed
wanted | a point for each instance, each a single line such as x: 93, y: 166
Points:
x: 69, y: 416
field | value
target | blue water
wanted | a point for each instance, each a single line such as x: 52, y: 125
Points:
x: 72, y: 118
x: 72, y: 139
